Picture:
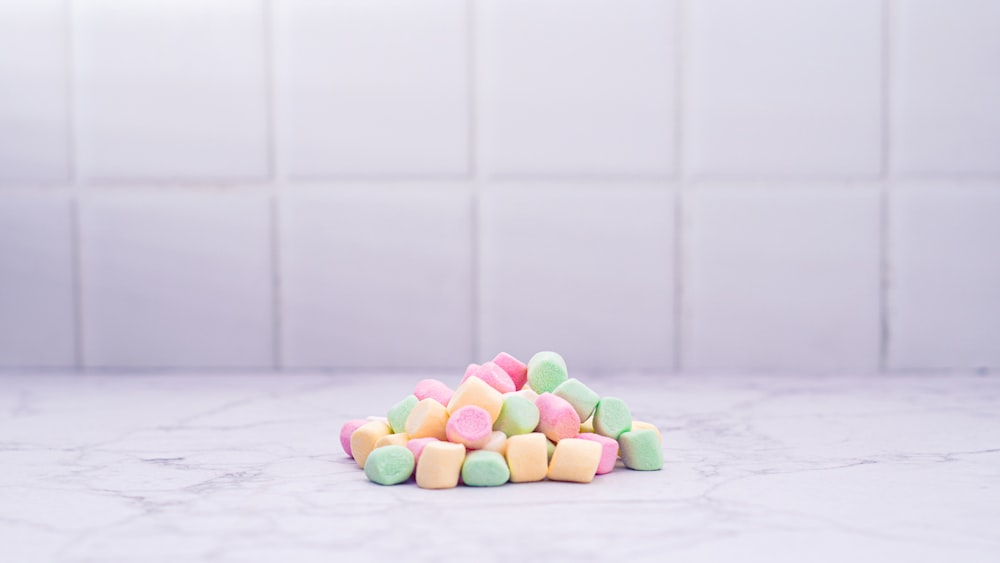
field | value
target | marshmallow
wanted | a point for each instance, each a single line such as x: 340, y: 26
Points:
x: 641, y: 450
x: 556, y: 418
x: 345, y: 433
x: 440, y: 465
x: 527, y: 393
x: 638, y: 425
x: 518, y: 415
x: 398, y: 413
x: 417, y: 446
x: 475, y: 391
x: 527, y: 457
x: 492, y: 374
x: 497, y: 443
x: 609, y: 451
x: 583, y: 398
x: 546, y: 370
x: 363, y: 439
x: 575, y: 460
x: 433, y: 389
x: 427, y: 420
x: 390, y: 465
x: 612, y: 417
x: 392, y: 440
x: 517, y: 371
x: 470, y: 426
x: 485, y: 469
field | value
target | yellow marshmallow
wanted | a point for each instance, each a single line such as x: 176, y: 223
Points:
x: 364, y: 438
x: 575, y: 460
x: 440, y: 465
x: 587, y: 426
x: 637, y: 425
x: 427, y: 420
x: 477, y: 392
x: 497, y: 443
x: 527, y: 457
x: 393, y: 440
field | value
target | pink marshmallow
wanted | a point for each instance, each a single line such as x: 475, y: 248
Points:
x: 609, y: 451
x: 493, y: 375
x: 433, y: 389
x: 345, y: 433
x: 417, y: 446
x: 471, y: 426
x: 517, y: 371
x: 557, y: 419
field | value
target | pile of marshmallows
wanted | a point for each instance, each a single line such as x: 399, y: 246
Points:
x: 506, y: 421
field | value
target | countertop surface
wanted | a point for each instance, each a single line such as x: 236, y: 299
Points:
x: 229, y: 467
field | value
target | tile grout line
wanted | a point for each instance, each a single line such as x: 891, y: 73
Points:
x: 76, y: 242
x: 884, y: 195
x: 679, y: 187
x: 274, y: 228
x: 474, y: 174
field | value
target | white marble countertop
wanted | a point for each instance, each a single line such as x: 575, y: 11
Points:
x: 160, y: 467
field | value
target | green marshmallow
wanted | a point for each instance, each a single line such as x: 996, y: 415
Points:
x: 483, y: 468
x: 641, y: 450
x: 546, y: 370
x: 389, y: 465
x: 582, y: 398
x: 612, y: 417
x: 550, y: 448
x: 398, y: 413
x: 517, y: 416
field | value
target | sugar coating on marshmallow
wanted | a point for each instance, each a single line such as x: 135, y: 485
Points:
x: 497, y: 443
x: 392, y: 440
x: 440, y: 465
x: 484, y: 468
x: 470, y: 426
x: 557, y: 419
x: 400, y: 411
x: 609, y: 451
x: 433, y: 389
x: 417, y: 446
x: 583, y: 398
x: 427, y: 420
x: 390, y: 465
x: 639, y: 425
x: 518, y: 415
x: 364, y: 438
x: 493, y: 375
x: 612, y: 417
x: 345, y: 433
x: 641, y: 450
x: 517, y: 370
x: 546, y: 370
x: 527, y: 457
x: 475, y: 391
x: 575, y: 460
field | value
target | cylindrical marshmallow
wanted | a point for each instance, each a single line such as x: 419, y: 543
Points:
x: 546, y: 370
x: 475, y: 391
x: 427, y: 420
x: 485, y: 469
x: 612, y: 417
x: 527, y: 457
x: 557, y: 419
x: 575, y: 460
x: 364, y: 438
x: 398, y: 413
x: 390, y: 465
x: 493, y: 375
x: 470, y: 426
x: 517, y: 371
x: 517, y: 416
x: 440, y: 465
x: 433, y: 389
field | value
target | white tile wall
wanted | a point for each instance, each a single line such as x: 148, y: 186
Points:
x: 415, y: 185
x: 37, y: 282
x: 377, y: 277
x: 170, y: 90
x: 175, y: 279
x: 372, y: 87
x: 34, y: 91
x: 946, y: 87
x: 576, y: 87
x: 583, y: 270
x: 782, y: 278
x: 783, y: 88
x: 945, y: 257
